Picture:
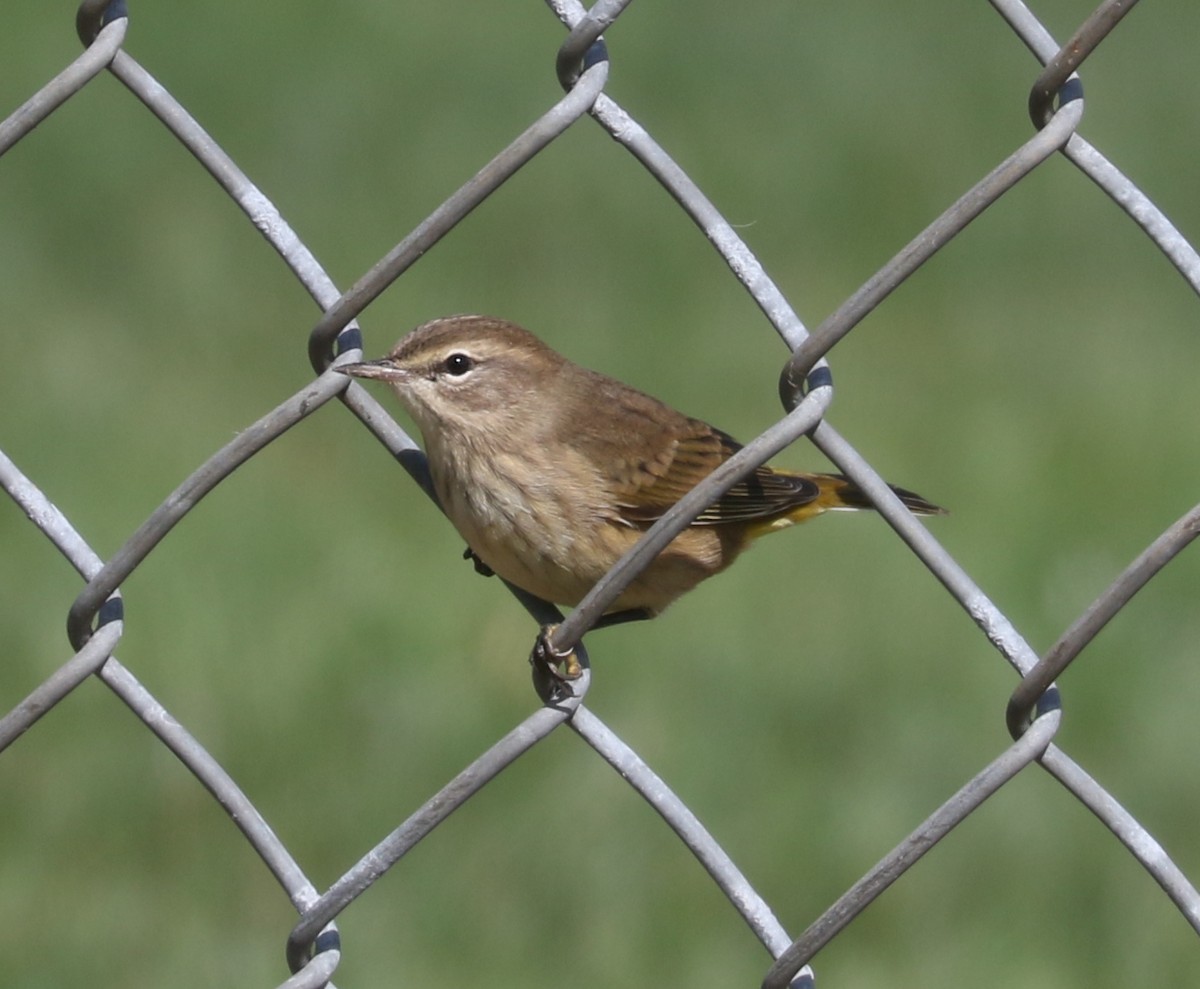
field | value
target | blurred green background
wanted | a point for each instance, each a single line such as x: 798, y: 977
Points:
x: 312, y: 622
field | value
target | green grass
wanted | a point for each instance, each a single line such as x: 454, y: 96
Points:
x: 312, y: 623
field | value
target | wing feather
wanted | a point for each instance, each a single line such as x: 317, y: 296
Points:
x: 655, y: 486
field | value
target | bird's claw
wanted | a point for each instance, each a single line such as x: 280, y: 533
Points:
x: 560, y: 666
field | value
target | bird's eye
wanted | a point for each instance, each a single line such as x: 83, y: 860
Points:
x: 457, y: 364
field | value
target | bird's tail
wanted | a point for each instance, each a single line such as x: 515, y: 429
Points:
x: 839, y: 492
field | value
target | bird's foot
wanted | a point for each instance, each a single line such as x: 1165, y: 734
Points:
x: 480, y: 567
x: 558, y: 665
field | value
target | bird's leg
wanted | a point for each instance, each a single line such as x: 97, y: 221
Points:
x: 480, y: 567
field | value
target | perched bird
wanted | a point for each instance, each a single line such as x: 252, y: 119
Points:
x: 551, y: 472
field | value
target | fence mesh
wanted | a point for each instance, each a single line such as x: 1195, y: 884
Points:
x: 96, y: 621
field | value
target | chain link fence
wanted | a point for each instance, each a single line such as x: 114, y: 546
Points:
x: 96, y: 620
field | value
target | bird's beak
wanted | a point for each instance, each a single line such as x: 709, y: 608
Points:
x: 384, y: 369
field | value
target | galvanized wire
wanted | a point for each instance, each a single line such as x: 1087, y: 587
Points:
x: 96, y: 622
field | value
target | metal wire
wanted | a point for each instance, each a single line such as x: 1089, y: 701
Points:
x: 96, y: 621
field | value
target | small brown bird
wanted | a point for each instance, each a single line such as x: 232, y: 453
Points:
x: 551, y: 472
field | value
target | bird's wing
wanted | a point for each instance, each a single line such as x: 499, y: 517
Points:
x: 693, y: 450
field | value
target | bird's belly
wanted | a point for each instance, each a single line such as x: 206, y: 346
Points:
x: 694, y: 555
x: 534, y: 541
x: 556, y: 549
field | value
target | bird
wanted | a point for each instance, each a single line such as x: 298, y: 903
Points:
x: 550, y: 471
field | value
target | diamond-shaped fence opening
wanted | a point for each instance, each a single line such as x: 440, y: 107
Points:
x: 299, y: 643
